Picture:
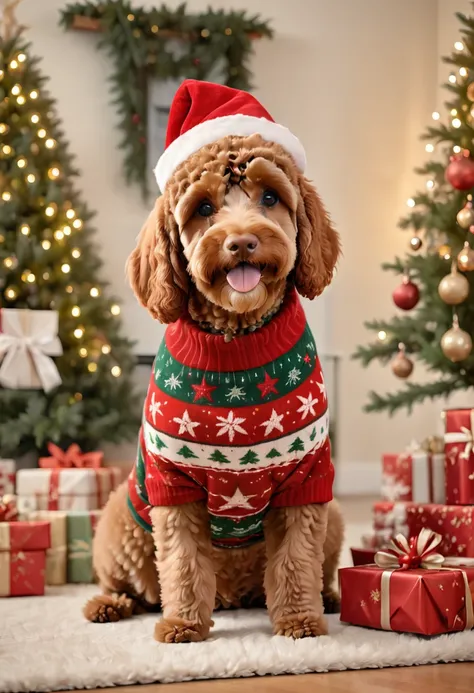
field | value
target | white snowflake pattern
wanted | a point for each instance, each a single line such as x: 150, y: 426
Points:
x: 272, y: 423
x: 235, y: 392
x: 155, y: 408
x: 293, y: 376
x: 158, y: 372
x: 242, y: 531
x: 185, y: 424
x: 173, y: 382
x: 230, y: 425
x: 322, y: 387
x: 307, y: 405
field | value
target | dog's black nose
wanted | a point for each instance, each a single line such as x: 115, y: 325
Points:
x: 241, y: 245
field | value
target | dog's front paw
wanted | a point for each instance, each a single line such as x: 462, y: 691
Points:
x: 306, y: 624
x: 176, y: 629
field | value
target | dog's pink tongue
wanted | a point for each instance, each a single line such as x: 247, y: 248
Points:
x: 244, y: 277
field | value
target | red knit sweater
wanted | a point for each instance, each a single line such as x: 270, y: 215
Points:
x: 241, y: 425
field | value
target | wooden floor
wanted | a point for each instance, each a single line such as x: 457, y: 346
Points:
x: 427, y: 679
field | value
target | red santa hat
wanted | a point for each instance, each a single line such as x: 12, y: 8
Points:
x: 202, y: 113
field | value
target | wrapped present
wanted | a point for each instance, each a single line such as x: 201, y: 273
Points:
x: 362, y: 556
x: 455, y: 524
x: 66, y: 488
x: 56, y: 555
x: 7, y: 477
x: 72, y: 457
x: 23, y: 557
x: 80, y: 533
x: 412, y: 589
x: 459, y: 451
x: 22, y: 573
x: 416, y: 475
x: 28, y: 340
x: 25, y: 536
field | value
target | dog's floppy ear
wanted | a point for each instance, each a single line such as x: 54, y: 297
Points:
x: 317, y: 242
x: 155, y: 268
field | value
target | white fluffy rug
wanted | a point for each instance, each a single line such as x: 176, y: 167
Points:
x: 46, y: 645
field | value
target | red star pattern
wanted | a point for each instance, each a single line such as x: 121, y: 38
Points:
x: 203, y: 391
x: 268, y: 385
x: 307, y: 359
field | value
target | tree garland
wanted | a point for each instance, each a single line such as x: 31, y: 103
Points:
x: 142, y: 44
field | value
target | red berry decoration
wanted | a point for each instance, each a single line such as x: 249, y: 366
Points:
x: 407, y: 295
x: 460, y: 171
x: 135, y: 119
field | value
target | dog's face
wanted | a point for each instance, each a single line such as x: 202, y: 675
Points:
x: 236, y: 220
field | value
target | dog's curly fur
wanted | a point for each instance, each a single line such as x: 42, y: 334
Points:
x: 180, y: 264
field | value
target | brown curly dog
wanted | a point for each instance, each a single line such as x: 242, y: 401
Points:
x: 237, y: 231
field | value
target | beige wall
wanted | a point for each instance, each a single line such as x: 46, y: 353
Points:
x: 356, y: 81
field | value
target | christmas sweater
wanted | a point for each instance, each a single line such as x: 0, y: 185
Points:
x: 241, y: 425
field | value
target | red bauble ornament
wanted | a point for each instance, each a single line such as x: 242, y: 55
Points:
x: 135, y: 118
x: 142, y: 140
x: 407, y: 295
x: 460, y: 172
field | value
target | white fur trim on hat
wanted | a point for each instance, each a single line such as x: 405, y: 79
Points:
x: 209, y: 131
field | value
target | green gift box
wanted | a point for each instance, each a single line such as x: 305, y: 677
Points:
x: 81, y: 526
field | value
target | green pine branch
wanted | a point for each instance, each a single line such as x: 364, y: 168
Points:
x: 410, y: 395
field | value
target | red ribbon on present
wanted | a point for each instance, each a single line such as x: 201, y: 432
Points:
x: 8, y: 509
x: 72, y: 457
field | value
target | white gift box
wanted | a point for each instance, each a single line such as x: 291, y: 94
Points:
x: 7, y: 476
x: 28, y: 339
x: 65, y: 488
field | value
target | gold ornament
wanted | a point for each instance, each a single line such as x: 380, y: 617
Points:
x: 454, y: 287
x: 465, y: 216
x: 401, y: 365
x: 444, y: 251
x: 466, y: 258
x: 415, y: 243
x: 456, y: 343
x: 470, y: 91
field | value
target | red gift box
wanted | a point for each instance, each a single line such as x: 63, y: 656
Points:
x: 24, y: 536
x: 23, y: 557
x: 403, y: 595
x: 458, y: 445
x: 22, y: 573
x: 363, y: 556
x: 455, y: 523
x: 415, y: 475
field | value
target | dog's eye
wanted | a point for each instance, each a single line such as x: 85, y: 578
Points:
x: 269, y: 198
x: 205, y: 209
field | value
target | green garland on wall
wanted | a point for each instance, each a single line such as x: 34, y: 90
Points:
x: 139, y: 42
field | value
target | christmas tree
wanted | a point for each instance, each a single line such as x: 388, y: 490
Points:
x: 48, y: 261
x: 437, y: 285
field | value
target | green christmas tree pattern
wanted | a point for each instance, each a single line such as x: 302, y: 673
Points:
x: 250, y: 457
x: 218, y: 456
x: 313, y: 434
x: 273, y: 453
x: 296, y: 446
x: 159, y: 443
x: 186, y: 452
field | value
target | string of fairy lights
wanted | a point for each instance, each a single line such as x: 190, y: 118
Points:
x: 453, y: 289
x: 63, y: 217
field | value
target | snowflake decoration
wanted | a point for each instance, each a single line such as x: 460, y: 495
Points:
x: 155, y: 408
x: 173, y: 382
x: 158, y: 372
x: 375, y: 596
x: 235, y: 392
x: 307, y: 405
x: 230, y: 425
x: 273, y: 422
x: 363, y: 603
x: 185, y: 424
x: 293, y: 376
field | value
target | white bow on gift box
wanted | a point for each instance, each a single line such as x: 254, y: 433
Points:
x: 28, y: 339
